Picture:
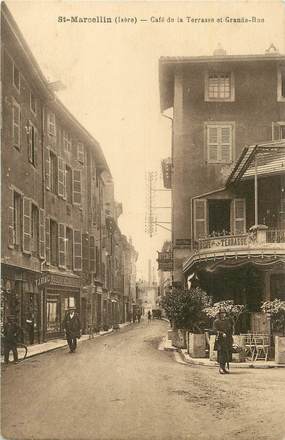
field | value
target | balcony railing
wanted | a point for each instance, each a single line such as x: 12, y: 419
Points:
x: 250, y: 239
x: 275, y: 236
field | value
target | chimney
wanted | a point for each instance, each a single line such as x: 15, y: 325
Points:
x: 219, y: 51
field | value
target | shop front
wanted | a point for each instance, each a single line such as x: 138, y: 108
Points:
x: 59, y: 292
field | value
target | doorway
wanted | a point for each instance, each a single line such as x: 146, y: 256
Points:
x: 219, y: 217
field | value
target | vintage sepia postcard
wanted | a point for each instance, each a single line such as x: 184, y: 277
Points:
x: 143, y: 220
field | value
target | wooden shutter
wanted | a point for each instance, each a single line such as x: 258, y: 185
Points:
x: 77, y: 250
x: 77, y: 187
x: 61, y: 245
x: 85, y: 252
x: 26, y: 225
x: 36, y: 146
x: 212, y: 143
x: 61, y: 177
x: 226, y: 144
x: 200, y: 218
x: 47, y: 169
x: 92, y: 255
x: 42, y: 233
x: 239, y: 219
x: 16, y: 124
x: 80, y: 152
x: 11, y: 230
x: 47, y: 223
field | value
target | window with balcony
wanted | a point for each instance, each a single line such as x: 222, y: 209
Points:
x: 219, y: 86
x: 219, y: 142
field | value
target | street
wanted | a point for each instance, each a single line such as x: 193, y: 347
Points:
x: 121, y: 386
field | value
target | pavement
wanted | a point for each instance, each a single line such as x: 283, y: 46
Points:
x: 54, y: 344
x: 121, y: 387
x: 206, y: 362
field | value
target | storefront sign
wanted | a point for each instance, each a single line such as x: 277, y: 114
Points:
x: 165, y: 261
x: 183, y: 242
x: 58, y: 280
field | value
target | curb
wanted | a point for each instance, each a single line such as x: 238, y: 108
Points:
x: 65, y: 344
x: 188, y: 359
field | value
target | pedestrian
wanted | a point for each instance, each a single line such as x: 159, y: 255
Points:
x: 71, y: 324
x: 12, y: 334
x: 224, y: 341
x: 149, y: 316
x: 139, y: 316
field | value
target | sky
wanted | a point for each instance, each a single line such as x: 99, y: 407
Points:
x: 110, y: 74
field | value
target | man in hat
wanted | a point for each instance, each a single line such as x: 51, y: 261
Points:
x: 12, y: 333
x: 224, y: 341
x: 71, y: 324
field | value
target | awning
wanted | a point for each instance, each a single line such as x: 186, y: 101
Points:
x: 266, y: 159
x: 220, y: 265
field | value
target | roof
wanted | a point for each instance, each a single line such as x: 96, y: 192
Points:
x: 168, y: 65
x: 268, y: 157
x: 41, y: 81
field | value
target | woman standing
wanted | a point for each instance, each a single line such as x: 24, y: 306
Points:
x: 224, y: 341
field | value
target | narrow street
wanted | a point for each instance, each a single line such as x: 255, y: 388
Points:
x: 122, y: 387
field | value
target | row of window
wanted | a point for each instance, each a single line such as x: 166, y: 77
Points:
x: 31, y: 232
x: 219, y: 86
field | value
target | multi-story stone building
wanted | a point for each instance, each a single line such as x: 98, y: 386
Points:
x: 221, y: 104
x: 57, y: 205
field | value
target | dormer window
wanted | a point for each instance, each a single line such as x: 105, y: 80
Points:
x: 281, y: 84
x: 219, y: 86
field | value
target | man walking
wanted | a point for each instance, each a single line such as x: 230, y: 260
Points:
x: 12, y: 333
x: 71, y: 324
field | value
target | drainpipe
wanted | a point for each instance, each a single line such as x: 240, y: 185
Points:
x: 255, y: 192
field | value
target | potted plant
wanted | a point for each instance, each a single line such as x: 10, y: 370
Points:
x: 185, y: 310
x: 233, y: 312
x: 275, y: 311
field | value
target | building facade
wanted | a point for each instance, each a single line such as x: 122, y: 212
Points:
x: 61, y: 243
x: 221, y: 104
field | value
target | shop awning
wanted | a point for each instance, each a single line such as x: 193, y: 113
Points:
x: 264, y: 159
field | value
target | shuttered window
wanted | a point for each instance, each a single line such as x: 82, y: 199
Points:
x: 47, y: 223
x: 51, y: 124
x: 16, y: 127
x: 219, y: 143
x: 66, y: 141
x: 80, y: 152
x: 16, y: 77
x: 35, y: 239
x: 85, y: 252
x: 77, y: 250
x: 92, y: 256
x: 26, y: 225
x: 47, y: 168
x: 33, y: 144
x: 53, y: 243
x: 11, y: 230
x: 42, y: 233
x: 77, y: 187
x: 69, y: 248
x: 239, y: 218
x: 200, y: 218
x: 61, y: 177
x: 61, y: 245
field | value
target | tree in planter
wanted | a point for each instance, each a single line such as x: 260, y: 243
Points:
x: 185, y: 308
x: 232, y: 311
x: 276, y: 310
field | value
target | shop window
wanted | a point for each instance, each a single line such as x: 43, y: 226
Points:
x: 53, y: 243
x: 69, y: 248
x: 53, y: 318
x: 16, y: 127
x: 68, y: 183
x: 69, y: 302
x: 35, y: 231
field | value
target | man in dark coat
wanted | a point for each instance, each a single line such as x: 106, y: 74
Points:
x: 12, y: 334
x: 71, y: 324
x: 224, y: 341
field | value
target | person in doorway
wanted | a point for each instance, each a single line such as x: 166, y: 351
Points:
x: 12, y: 333
x: 71, y: 324
x: 224, y: 341
x: 149, y: 316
